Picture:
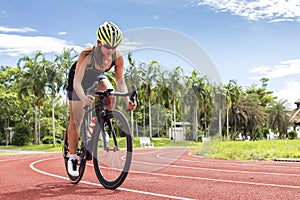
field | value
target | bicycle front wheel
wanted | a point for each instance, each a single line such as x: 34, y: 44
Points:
x: 112, y: 161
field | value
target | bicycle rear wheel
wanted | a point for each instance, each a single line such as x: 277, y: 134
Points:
x: 81, y: 153
x: 111, y: 164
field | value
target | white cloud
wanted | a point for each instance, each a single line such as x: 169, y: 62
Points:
x: 16, y: 45
x: 4, y: 29
x: 156, y: 17
x: 272, y: 10
x: 290, y: 93
x: 284, y: 68
x: 62, y: 33
x: 127, y: 45
x: 3, y: 14
x: 291, y: 88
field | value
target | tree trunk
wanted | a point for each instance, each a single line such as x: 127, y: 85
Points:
x: 220, y: 122
x: 53, y: 122
x: 144, y: 122
x: 39, y: 125
x: 195, y: 125
x: 137, y: 128
x: 6, y: 130
x: 35, y: 124
x: 174, y: 118
x: 150, y: 119
x: 158, y: 124
x: 227, y: 123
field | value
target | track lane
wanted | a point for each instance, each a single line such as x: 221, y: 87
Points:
x: 158, y: 174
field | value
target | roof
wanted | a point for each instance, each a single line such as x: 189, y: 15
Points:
x: 297, y: 102
x: 295, y: 116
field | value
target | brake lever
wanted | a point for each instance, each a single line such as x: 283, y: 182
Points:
x: 134, y: 96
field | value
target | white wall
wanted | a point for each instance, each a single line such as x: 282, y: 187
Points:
x: 298, y: 131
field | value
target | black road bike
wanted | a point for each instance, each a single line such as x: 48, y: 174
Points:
x: 108, y: 143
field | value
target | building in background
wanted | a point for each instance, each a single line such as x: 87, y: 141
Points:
x: 295, y: 118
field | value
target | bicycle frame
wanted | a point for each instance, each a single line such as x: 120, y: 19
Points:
x: 102, y: 112
x: 107, y: 120
x: 84, y: 128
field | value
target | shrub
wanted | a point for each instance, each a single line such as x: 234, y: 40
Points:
x: 292, y: 134
x: 49, y: 140
x: 22, y: 134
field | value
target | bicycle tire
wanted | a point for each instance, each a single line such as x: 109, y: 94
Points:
x: 109, y: 166
x: 82, y: 159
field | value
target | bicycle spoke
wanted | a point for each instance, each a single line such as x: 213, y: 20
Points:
x: 112, y: 162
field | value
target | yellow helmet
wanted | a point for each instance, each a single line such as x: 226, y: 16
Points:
x: 110, y: 34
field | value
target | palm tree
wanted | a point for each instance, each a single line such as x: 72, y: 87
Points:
x: 54, y: 83
x: 10, y: 106
x: 233, y: 94
x: 218, y: 105
x: 133, y: 77
x: 142, y: 88
x: 198, y: 95
x: 64, y: 62
x: 278, y: 118
x: 251, y: 115
x: 265, y: 97
x: 150, y: 78
x: 205, y: 100
x: 34, y: 79
x: 175, y: 83
x: 163, y: 96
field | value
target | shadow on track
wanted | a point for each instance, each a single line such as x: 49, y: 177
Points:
x: 61, y: 190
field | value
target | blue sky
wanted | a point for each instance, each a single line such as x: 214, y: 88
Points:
x: 246, y: 39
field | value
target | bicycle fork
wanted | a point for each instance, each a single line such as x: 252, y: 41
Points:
x: 110, y: 133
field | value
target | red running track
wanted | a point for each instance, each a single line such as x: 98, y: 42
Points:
x: 155, y: 174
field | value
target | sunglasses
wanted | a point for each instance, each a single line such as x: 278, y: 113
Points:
x: 109, y: 47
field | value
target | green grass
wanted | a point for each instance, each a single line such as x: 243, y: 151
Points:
x: 231, y: 150
x: 159, y: 142
x: 165, y: 142
x: 6, y: 153
x: 40, y: 147
x: 254, y: 150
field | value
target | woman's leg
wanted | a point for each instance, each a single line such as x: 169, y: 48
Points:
x: 76, y: 117
x: 103, y: 85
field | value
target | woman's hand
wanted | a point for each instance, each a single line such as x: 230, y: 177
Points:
x: 89, y: 99
x: 131, y: 105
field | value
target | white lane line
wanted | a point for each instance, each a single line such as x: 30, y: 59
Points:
x: 161, y: 165
x: 228, y: 162
x: 43, y: 172
x: 142, y: 153
x: 219, y: 180
x: 10, y: 159
x: 172, y: 176
x: 208, y: 179
x: 217, y: 170
x: 97, y: 184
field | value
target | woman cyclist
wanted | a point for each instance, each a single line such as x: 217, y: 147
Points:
x: 94, y: 62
